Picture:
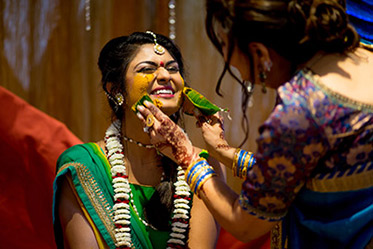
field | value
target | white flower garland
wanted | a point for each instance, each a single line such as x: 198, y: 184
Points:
x: 123, y: 197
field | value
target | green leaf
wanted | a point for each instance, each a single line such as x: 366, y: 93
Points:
x: 141, y: 102
x: 199, y: 101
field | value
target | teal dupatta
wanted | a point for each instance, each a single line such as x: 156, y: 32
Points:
x: 90, y: 174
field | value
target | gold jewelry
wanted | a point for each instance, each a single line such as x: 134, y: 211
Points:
x: 208, y: 176
x: 150, y: 120
x: 198, y: 173
x: 262, y: 78
x: 119, y: 98
x: 235, y: 159
x: 195, y: 173
x: 243, y: 160
x: 158, y: 49
x: 263, y: 75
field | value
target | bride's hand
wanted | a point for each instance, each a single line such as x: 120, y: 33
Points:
x: 168, y: 137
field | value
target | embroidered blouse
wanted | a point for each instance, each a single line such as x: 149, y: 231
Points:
x: 314, y: 138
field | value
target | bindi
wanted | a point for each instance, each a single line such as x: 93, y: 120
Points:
x: 161, y: 64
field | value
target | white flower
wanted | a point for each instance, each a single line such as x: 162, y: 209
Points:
x: 122, y: 190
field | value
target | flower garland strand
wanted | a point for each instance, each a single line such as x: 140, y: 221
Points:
x: 123, y: 197
x: 181, y: 213
x: 121, y: 186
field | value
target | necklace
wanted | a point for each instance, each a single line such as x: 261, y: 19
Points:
x: 148, y: 146
x: 123, y: 199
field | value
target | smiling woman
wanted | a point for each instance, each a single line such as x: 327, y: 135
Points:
x: 141, y: 74
x: 120, y: 192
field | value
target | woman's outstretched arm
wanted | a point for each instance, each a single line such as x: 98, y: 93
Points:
x: 205, y: 229
x: 221, y: 201
x: 224, y: 205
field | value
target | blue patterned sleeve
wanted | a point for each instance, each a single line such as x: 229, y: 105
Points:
x: 289, y: 147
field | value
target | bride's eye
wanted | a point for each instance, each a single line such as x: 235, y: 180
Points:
x: 173, y: 69
x: 147, y: 70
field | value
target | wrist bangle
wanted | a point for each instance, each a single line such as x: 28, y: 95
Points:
x: 235, y: 159
x: 192, y: 169
x: 243, y: 160
x: 197, y: 174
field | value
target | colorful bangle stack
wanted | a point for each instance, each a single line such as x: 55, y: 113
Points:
x: 198, y: 173
x: 243, y: 160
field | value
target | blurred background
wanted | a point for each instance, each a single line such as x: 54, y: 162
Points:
x: 49, y: 51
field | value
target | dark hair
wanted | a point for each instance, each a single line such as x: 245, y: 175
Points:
x: 117, y: 54
x: 296, y: 29
x: 113, y: 62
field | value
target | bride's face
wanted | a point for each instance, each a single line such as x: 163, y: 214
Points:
x: 156, y: 75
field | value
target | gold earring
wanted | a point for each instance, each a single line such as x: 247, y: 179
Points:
x: 119, y: 99
x: 262, y: 78
x: 263, y: 75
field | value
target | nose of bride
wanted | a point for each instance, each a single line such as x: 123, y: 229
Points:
x: 163, y: 75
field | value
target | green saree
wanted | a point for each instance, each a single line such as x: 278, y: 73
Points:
x: 91, y: 179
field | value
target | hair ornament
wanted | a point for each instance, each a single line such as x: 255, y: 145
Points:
x: 158, y: 49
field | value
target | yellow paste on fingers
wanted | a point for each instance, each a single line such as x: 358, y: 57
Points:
x: 158, y: 103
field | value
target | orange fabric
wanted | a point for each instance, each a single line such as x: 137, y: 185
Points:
x: 226, y: 240
x: 30, y: 143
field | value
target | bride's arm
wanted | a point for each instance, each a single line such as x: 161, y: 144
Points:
x: 204, y: 231
x: 77, y: 232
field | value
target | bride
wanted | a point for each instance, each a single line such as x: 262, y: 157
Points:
x: 120, y: 192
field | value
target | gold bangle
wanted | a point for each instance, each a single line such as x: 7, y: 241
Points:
x: 190, y: 167
x: 244, y: 172
x: 235, y: 158
x: 252, y: 160
x: 197, y: 174
x: 248, y: 164
x: 203, y: 182
x: 245, y: 166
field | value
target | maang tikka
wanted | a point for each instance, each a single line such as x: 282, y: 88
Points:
x: 158, y: 49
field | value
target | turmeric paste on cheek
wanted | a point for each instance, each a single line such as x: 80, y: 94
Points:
x: 180, y: 100
x: 139, y: 87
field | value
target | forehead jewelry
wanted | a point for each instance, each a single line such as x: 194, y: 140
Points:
x: 158, y: 49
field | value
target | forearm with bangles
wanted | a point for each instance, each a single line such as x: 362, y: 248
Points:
x: 199, y: 171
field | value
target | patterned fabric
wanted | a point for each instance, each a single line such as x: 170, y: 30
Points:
x: 315, y: 141
x: 90, y: 175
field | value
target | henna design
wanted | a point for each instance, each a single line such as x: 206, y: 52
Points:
x: 222, y: 135
x: 223, y: 146
x: 221, y: 122
x: 175, y: 139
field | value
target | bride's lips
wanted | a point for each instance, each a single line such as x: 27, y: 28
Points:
x: 163, y: 92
